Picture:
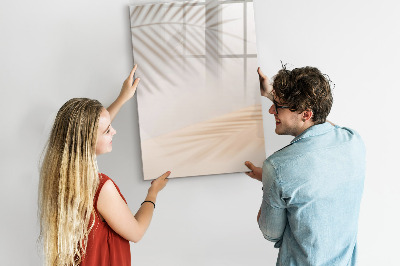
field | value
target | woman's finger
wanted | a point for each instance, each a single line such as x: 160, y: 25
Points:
x: 136, y: 82
x: 133, y: 71
x: 165, y: 175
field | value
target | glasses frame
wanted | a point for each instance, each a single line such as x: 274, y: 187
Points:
x: 279, y: 106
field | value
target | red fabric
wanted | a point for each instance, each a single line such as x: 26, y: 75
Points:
x: 105, y: 247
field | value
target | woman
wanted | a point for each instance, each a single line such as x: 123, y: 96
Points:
x: 84, y: 219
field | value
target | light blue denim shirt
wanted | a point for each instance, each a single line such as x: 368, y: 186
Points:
x: 311, y: 197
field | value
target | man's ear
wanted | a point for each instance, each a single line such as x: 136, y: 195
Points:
x: 306, y: 115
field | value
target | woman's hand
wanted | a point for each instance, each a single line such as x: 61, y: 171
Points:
x: 115, y: 211
x: 129, y: 87
x: 158, y: 184
x: 127, y: 92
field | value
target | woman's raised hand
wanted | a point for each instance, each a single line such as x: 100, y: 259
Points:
x: 129, y: 87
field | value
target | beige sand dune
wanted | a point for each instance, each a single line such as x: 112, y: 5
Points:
x: 217, y: 146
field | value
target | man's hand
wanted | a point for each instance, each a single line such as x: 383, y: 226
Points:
x: 256, y: 172
x: 265, y: 87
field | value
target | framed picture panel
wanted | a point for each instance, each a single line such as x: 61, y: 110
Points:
x: 198, y: 99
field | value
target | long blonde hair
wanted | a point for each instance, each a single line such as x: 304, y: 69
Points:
x: 68, y: 182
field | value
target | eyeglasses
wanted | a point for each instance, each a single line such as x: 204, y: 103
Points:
x: 278, y: 106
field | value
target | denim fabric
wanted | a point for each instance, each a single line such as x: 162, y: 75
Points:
x: 311, y: 197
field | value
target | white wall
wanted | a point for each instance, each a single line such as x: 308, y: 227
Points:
x: 51, y: 51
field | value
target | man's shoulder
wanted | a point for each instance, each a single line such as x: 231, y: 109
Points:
x: 283, y: 156
x: 346, y: 130
x: 347, y: 136
x: 327, y: 141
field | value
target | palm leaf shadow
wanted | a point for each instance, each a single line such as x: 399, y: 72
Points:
x: 146, y: 19
x: 217, y: 137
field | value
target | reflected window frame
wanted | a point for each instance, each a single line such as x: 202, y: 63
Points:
x: 245, y: 55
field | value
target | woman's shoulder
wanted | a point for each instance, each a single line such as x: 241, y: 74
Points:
x: 103, y: 176
x: 109, y: 183
x: 103, y: 179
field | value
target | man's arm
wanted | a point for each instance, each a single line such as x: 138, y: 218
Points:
x: 266, y: 87
x: 127, y: 91
x: 272, y: 217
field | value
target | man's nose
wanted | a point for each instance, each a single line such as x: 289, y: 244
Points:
x: 272, y: 110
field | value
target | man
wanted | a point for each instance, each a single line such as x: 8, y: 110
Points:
x: 312, y: 187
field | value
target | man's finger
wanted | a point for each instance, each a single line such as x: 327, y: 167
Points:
x: 251, y: 174
x: 250, y: 165
x: 260, y: 72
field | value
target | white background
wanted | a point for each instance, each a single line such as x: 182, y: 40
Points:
x: 51, y: 51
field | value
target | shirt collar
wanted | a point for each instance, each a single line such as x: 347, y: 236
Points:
x: 314, y: 131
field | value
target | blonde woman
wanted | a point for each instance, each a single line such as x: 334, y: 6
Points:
x: 84, y: 219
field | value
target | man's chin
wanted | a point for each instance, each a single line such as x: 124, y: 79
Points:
x: 280, y: 132
x: 277, y: 131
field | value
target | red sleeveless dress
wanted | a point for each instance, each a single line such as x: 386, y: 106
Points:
x: 105, y: 247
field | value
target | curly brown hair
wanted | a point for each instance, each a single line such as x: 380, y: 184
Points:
x: 304, y: 88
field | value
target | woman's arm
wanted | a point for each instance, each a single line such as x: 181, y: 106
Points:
x: 119, y: 217
x: 127, y: 92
